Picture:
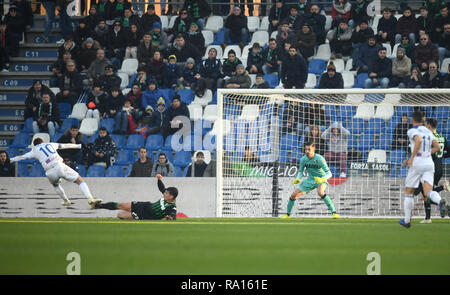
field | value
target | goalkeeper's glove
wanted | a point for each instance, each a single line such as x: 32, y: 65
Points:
x: 319, y: 180
x: 297, y: 180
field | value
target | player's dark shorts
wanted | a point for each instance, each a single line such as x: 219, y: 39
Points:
x: 141, y: 210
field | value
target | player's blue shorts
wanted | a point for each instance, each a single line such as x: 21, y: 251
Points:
x: 308, y: 185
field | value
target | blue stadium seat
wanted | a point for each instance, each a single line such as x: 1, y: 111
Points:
x: 441, y: 113
x: 214, y: 100
x: 374, y: 97
x: 168, y: 95
x: 390, y: 126
x: 65, y: 109
x: 115, y: 171
x: 352, y: 142
x: 21, y: 140
x: 128, y: 170
x: 28, y: 126
x: 154, y: 142
x: 12, y: 152
x: 284, y: 156
x: 356, y: 126
x: 330, y: 112
x: 397, y: 156
x: 134, y: 142
x: 237, y: 156
x: 168, y: 143
x: 96, y: 171
x: 94, y: 137
x: 68, y: 123
x: 36, y: 170
x: 366, y: 142
x: 177, y: 171
x: 22, y: 169
x: 360, y: 80
x: 58, y: 135
x: 182, y: 158
x: 316, y: 66
x: 399, y: 110
x: 272, y: 79
x: 346, y: 112
x: 384, y: 142
x: 219, y: 37
x: 168, y: 154
x: 119, y: 139
x: 375, y: 126
x: 108, y: 123
x: 82, y: 170
x: 124, y: 157
x: 289, y: 142
x: 186, y: 95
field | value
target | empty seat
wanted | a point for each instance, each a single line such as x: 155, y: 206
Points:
x: 316, y: 66
x: 245, y: 51
x: 36, y: 170
x: 311, y: 82
x: 384, y: 141
x: 365, y: 111
x: 186, y: 95
x: 384, y: 111
x: 134, y: 142
x: 182, y: 158
x: 108, y: 123
x: 172, y: 21
x: 366, y: 142
x: 64, y: 109
x: 154, y: 142
x: 210, y: 113
x: 27, y: 126
x: 89, y: 126
x: 195, y: 111
x: 214, y: 23
x: 21, y: 140
x: 209, y: 37
x: 129, y: 66
x: 119, y: 140
x: 361, y: 80
x: 164, y: 21
x: 323, y: 52
x: 272, y: 79
x: 356, y: 126
x: 124, y: 157
x: 397, y: 156
x: 388, y: 49
x: 124, y: 80
x: 444, y: 65
x: 376, y: 156
x: 44, y: 136
x: 250, y: 112
x: 79, y: 111
x: 289, y: 142
x: 68, y: 123
x: 261, y: 37
x: 115, y: 171
x: 264, y: 25
x: 375, y: 126
x: 205, y: 99
x: 328, y: 22
x: 349, y: 79
x: 252, y: 23
x: 96, y: 171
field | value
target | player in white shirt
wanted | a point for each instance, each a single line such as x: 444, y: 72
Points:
x: 421, y: 167
x: 55, y: 169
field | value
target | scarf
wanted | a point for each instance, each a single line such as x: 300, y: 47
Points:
x: 194, y: 10
x: 40, y: 112
x: 119, y: 6
x: 269, y: 55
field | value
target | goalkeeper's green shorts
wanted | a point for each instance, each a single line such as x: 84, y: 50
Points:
x: 308, y: 185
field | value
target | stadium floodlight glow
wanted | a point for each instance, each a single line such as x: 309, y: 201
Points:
x: 253, y: 126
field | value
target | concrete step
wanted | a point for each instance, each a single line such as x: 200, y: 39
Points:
x: 38, y: 50
x: 11, y: 114
x: 34, y: 35
x: 10, y: 129
x: 39, y: 21
x: 29, y: 64
x: 23, y: 79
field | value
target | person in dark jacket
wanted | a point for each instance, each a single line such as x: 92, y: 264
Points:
x: 135, y: 98
x: 444, y: 44
x: 116, y: 42
x: 114, y: 103
x: 331, y: 79
x: 294, y: 71
x: 101, y: 32
x: 102, y: 149
x: 406, y: 24
x: 82, y: 32
x: 151, y: 95
x: 183, y: 49
x: 34, y: 97
x: 66, y: 96
x: 271, y: 58
x: 439, y: 23
x: 400, y: 138
x: 285, y: 35
x: 358, y: 12
x: 70, y: 46
x: 209, y: 71
x: 380, y: 71
x: 155, y: 68
x: 7, y: 169
x: 104, y: 9
x: 173, y: 121
x: 24, y: 8
x: 236, y: 29
x: 254, y: 59
x: 424, y: 22
x: 317, y: 22
x: 65, y: 22
x: 87, y: 54
x: 15, y: 26
x: 109, y: 80
x: 425, y: 52
x: 145, y: 50
x: 71, y: 79
x: 72, y: 135
x: 128, y: 19
x: 118, y: 8
x: 386, y: 27
x: 47, y: 116
x: 93, y: 18
x: 365, y: 55
x: 432, y: 78
x: 294, y: 19
x: 293, y: 117
x: 199, y: 166
x: 133, y: 40
x: 360, y: 36
x: 305, y: 41
x: 415, y: 79
x: 181, y: 24
x: 149, y: 18
x: 228, y: 67
x: 143, y: 166
x: 172, y: 74
x: 199, y: 10
x: 195, y: 37
x: 96, y: 102
x: 260, y: 83
x: 277, y: 13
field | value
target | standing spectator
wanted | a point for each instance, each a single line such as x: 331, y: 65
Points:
x: 117, y: 40
x: 425, y: 52
x: 71, y: 80
x: 277, y: 13
x: 236, y: 29
x: 102, y: 149
x: 401, y: 69
x: 109, y: 80
x: 15, y: 26
x: 87, y: 54
x: 93, y: 18
x: 104, y: 9
x: 228, y: 68
x: 69, y: 46
x: 134, y: 37
x: 155, y: 68
x: 240, y: 79
x: 446, y: 79
x: 172, y: 74
x: 380, y: 71
x: 360, y: 36
x: 400, y: 138
x: 82, y: 32
x: 158, y: 117
x: 439, y: 23
x: 46, y: 116
x: 149, y: 18
x: 6, y: 40
x: 98, y: 66
x: 151, y: 96
x: 96, y: 102
x: 184, y: 49
x: 143, y: 166
x: 317, y: 22
x: 49, y: 6
x: 424, y: 22
x: 101, y: 33
x: 72, y: 135
x: 340, y: 10
x: 271, y: 58
x: 303, y: 6
x: 199, y: 166
x: 315, y: 136
x: 65, y: 22
x: 128, y: 19
x: 159, y: 37
x: 337, y: 138
x: 181, y: 24
x: 386, y: 27
x: 34, y: 97
x: 306, y: 41
x: 24, y: 8
x: 118, y: 8
x: 260, y: 83
x: 444, y: 43
x: 294, y: 71
x: 406, y: 25
x: 331, y: 79
x: 358, y: 13
x: 188, y: 74
x: 195, y: 37
x: 145, y: 49
x: 7, y: 169
x: 254, y: 59
x: 163, y: 166
x: 294, y: 19
x: 432, y: 78
x: 340, y: 40
x: 209, y: 72
x: 173, y: 122
x: 415, y: 79
x: 199, y: 10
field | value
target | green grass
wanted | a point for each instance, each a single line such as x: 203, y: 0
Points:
x: 223, y: 246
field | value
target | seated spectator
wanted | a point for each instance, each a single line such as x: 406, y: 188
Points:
x: 118, y: 7
x: 135, y: 98
x: 184, y: 50
x: 72, y: 135
x: 236, y: 29
x: 439, y: 22
x: 425, y: 52
x: 315, y: 115
x: 340, y: 40
x: 7, y: 169
x: 143, y: 166
x: 199, y: 10
x: 87, y: 54
x: 46, y: 117
x: 128, y: 19
x: 7, y: 42
x: 358, y: 13
x: 82, y: 32
x: 104, y: 9
x: 173, y: 120
x: 415, y: 79
x: 260, y: 83
x: 101, y: 32
x: 228, y: 68
x: 293, y: 118
x: 195, y: 37
x: 434, y: 7
x: 254, y: 59
x: 155, y: 68
x: 66, y: 96
x: 172, y: 74
x: 400, y: 139
x: 340, y: 10
x: 315, y: 136
x: 365, y: 55
x: 149, y: 18
x: 432, y: 78
x: 240, y: 79
x: 114, y: 104
x: 408, y: 46
x: 209, y: 71
x: 386, y: 27
x: 199, y: 166
x: 163, y: 166
x: 134, y: 37
x: 444, y: 43
x: 109, y: 80
x: 70, y: 46
x: 360, y: 36
x: 446, y: 79
x: 71, y: 164
x: 15, y: 26
x: 380, y: 71
x: 125, y: 120
x: 305, y: 41
x: 116, y: 42
x: 59, y: 68
x: 317, y: 22
x: 303, y: 7
x: 285, y: 34
x: 277, y: 13
x: 294, y: 71
x: 181, y: 25
x: 92, y: 18
x: 424, y: 22
x: 158, y: 117
x: 96, y: 102
x: 188, y: 74
x: 331, y: 79
x: 98, y: 66
x: 294, y: 19
x: 71, y: 80
x: 406, y: 25
x: 145, y: 50
x: 102, y: 149
x: 271, y: 58
x: 159, y: 38
x: 337, y: 138
x: 34, y: 97
x: 151, y: 121
x: 151, y: 96
x: 401, y: 69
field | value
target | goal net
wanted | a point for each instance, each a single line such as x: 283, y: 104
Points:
x: 360, y: 132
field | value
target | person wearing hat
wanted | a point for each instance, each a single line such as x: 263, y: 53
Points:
x: 277, y: 13
x: 149, y: 18
x: 109, y: 80
x: 305, y: 41
x: 116, y: 42
x: 240, y: 79
x: 172, y: 74
x: 87, y: 54
x: 177, y: 113
x: 96, y: 102
x: 365, y: 55
x: 331, y: 79
x: 340, y: 39
x: 199, y: 10
x: 183, y: 49
x: 159, y: 37
x: 401, y: 69
x: 195, y: 37
x: 15, y: 25
x: 151, y: 95
x: 188, y: 74
x: 236, y: 29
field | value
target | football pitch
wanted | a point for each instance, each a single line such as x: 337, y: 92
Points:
x: 221, y: 246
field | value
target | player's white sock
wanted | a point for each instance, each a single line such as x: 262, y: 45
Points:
x: 434, y: 197
x: 85, y: 190
x: 60, y: 191
x: 408, y: 207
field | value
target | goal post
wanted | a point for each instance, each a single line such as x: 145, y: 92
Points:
x: 259, y: 143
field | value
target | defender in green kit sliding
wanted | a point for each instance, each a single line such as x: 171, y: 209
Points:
x: 318, y: 174
x: 163, y: 208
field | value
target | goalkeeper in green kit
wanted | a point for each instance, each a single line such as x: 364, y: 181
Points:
x: 318, y: 174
